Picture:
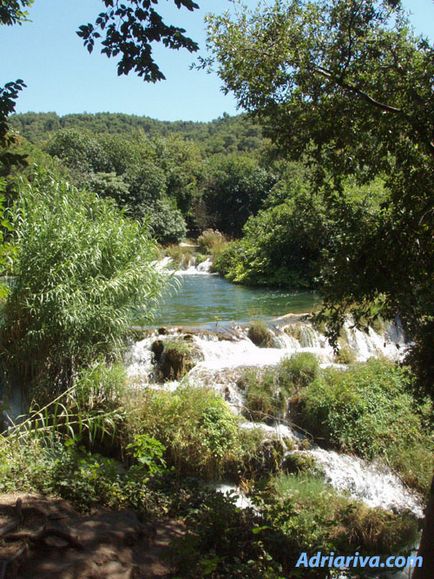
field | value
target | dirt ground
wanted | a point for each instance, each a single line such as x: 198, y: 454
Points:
x: 42, y: 538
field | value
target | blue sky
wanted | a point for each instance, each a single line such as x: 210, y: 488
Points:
x: 61, y: 76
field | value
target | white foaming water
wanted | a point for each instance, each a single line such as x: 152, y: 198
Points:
x: 374, y: 484
x: 280, y: 431
x: 241, y: 500
x: 203, y: 268
x: 240, y: 352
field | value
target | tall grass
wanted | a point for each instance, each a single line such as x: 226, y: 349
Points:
x: 82, y: 267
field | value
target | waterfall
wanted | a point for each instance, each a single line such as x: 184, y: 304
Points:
x: 373, y: 483
x: 190, y: 267
x: 226, y: 354
x: 233, y: 349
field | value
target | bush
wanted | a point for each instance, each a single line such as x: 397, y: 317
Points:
x: 267, y: 392
x: 300, y: 462
x: 298, y: 371
x: 263, y: 401
x: 211, y: 241
x: 345, y: 355
x: 260, y: 335
x: 195, y: 425
x: 181, y: 256
x: 368, y: 410
x: 225, y: 258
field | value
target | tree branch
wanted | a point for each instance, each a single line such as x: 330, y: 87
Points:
x: 365, y: 96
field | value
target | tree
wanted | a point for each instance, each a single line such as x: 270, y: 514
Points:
x: 235, y: 189
x: 348, y: 82
x: 130, y: 28
x: 80, y: 152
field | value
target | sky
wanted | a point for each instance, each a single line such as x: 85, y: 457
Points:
x: 62, y: 77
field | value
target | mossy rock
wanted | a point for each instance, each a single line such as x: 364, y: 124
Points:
x: 157, y: 349
x: 260, y: 335
x: 299, y: 462
x: 176, y: 358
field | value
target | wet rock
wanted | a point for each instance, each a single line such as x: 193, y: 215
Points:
x: 157, y: 349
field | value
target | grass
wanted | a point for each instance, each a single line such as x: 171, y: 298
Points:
x: 181, y: 256
x: 264, y: 402
x: 211, y: 242
x: 267, y: 392
x: 195, y: 425
x: 298, y: 371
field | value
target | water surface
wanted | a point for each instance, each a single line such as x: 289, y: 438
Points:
x: 201, y: 299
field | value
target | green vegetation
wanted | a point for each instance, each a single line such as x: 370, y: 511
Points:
x: 80, y: 268
x: 295, y: 514
x: 311, y: 515
x: 298, y: 371
x: 369, y: 410
x: 174, y: 358
x: 268, y: 391
x: 377, y: 252
x: 340, y: 200
x: 195, y: 425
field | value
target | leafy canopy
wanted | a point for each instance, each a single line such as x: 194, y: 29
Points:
x: 348, y: 84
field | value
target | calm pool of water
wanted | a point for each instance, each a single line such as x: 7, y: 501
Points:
x: 201, y: 299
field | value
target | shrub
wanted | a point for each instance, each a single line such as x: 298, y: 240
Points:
x: 211, y: 241
x: 260, y: 335
x: 299, y: 462
x: 195, y: 425
x: 264, y: 401
x: 181, y: 256
x: 345, y: 355
x: 267, y: 392
x: 368, y: 410
x: 224, y: 260
x: 260, y: 457
x: 298, y: 371
x: 313, y: 516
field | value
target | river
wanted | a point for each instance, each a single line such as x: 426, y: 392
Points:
x: 203, y: 299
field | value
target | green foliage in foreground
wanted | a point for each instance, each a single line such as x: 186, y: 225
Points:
x: 81, y: 267
x: 369, y: 410
x: 293, y: 514
x: 197, y: 427
x: 165, y: 438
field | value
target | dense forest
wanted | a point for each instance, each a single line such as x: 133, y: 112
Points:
x: 223, y: 450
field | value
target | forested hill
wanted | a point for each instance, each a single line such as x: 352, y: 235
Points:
x: 225, y: 134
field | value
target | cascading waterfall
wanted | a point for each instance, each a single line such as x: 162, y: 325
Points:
x: 225, y: 355
x: 373, y: 483
x: 190, y: 267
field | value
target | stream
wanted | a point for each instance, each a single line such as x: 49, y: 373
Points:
x: 213, y: 315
